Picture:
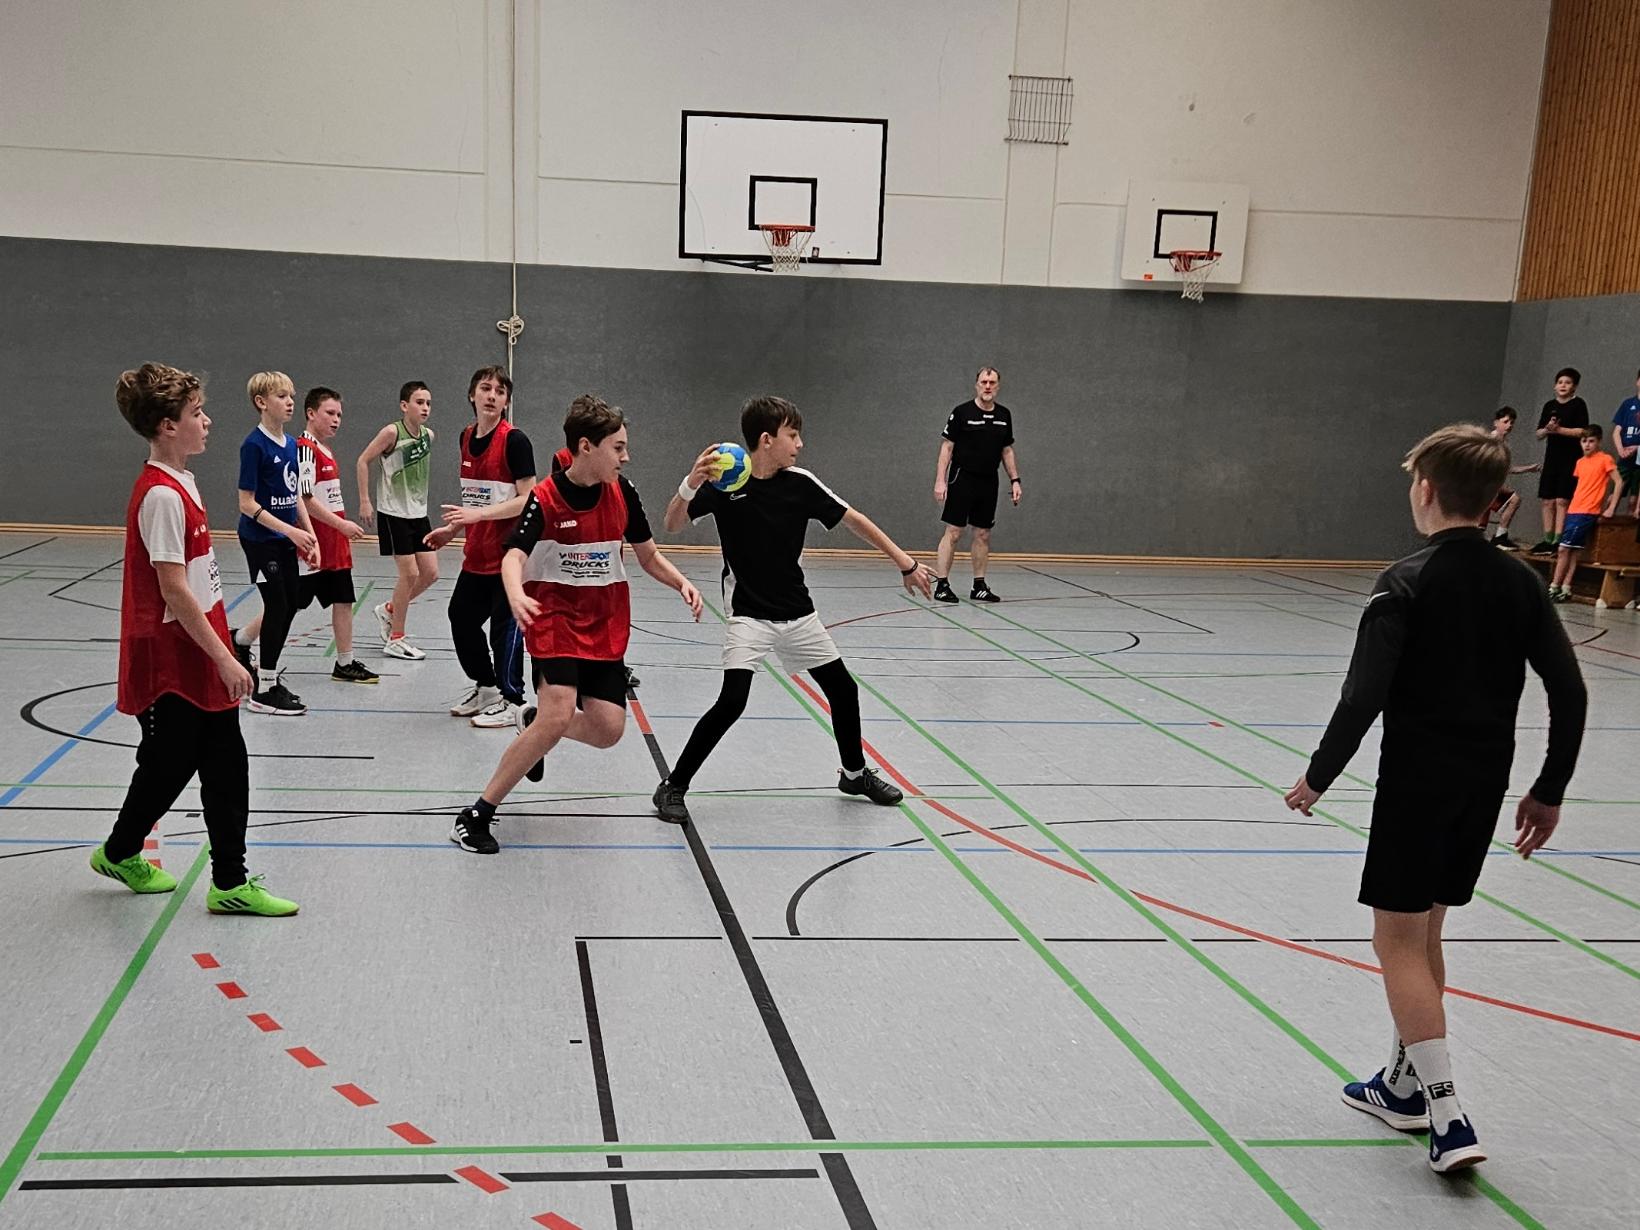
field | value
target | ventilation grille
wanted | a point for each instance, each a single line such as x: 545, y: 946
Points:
x: 1039, y: 110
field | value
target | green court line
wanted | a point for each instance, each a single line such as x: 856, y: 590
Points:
x: 760, y: 1146
x: 1219, y: 1135
x: 1292, y: 1031
x: 1286, y: 747
x: 1332, y: 1143
x: 1240, y: 771
x: 1281, y: 610
x: 357, y: 603
x: 14, y: 1161
x: 17, y: 576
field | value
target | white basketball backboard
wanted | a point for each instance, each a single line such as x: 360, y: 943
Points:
x: 1164, y: 217
x: 741, y: 170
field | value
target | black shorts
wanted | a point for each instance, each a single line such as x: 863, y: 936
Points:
x: 1557, y: 484
x: 597, y: 680
x: 1427, y: 846
x: 402, y: 535
x: 274, y: 563
x: 1501, y: 500
x: 971, y: 499
x: 331, y: 588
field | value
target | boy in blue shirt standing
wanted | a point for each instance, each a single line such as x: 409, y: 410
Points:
x: 273, y: 530
x: 1626, y: 440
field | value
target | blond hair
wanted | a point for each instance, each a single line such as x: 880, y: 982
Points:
x: 266, y: 384
x: 1465, y: 464
x: 150, y: 394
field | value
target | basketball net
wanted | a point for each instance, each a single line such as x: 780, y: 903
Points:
x: 786, y: 243
x: 1193, y: 268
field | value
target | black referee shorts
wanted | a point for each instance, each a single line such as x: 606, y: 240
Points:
x: 971, y: 499
x: 1428, y: 844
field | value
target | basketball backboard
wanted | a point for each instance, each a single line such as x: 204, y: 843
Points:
x: 741, y: 169
x: 1164, y: 217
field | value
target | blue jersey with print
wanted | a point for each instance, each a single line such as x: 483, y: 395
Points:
x: 1627, y: 421
x: 268, y: 470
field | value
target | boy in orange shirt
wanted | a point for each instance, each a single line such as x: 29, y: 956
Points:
x: 1594, y: 475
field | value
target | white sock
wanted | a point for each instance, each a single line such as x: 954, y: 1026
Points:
x: 1435, y: 1074
x: 239, y: 638
x: 853, y: 774
x: 1399, y: 1073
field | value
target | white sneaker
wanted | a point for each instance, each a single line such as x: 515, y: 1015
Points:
x: 384, y: 622
x: 502, y: 714
x: 400, y: 647
x: 476, y: 701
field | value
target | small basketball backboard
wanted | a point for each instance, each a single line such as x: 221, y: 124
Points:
x: 1164, y: 217
x: 742, y: 170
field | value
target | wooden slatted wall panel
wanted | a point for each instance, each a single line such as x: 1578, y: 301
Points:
x: 1583, y: 214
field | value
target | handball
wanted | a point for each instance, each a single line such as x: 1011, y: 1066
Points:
x: 734, y: 468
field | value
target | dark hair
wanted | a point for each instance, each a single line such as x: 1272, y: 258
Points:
x: 992, y: 370
x: 591, y: 419
x: 408, y: 388
x: 319, y: 394
x: 497, y: 374
x: 152, y: 393
x: 1465, y: 464
x: 1577, y: 376
x: 1505, y: 412
x: 1591, y: 432
x: 767, y: 414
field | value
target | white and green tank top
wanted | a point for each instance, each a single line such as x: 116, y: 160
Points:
x: 402, y: 491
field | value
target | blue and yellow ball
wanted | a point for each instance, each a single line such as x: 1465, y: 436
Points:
x: 734, y: 467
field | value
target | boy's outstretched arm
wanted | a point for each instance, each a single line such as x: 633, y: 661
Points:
x: 914, y: 576
x: 1378, y: 645
x: 663, y: 570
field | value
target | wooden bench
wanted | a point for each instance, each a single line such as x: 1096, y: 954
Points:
x: 1607, y: 569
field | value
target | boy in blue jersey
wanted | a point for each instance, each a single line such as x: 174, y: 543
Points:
x: 1626, y: 440
x: 273, y: 529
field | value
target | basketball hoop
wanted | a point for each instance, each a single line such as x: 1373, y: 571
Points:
x: 1193, y: 267
x: 786, y: 241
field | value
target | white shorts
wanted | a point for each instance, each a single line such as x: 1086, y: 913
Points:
x: 800, y: 644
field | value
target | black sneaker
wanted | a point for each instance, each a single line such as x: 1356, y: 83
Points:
x: 278, y: 700
x: 472, y: 833
x: 942, y: 591
x: 982, y: 593
x: 353, y: 672
x: 871, y: 786
x: 669, y: 805
x: 631, y: 680
x: 1546, y: 547
x: 525, y: 716
x: 1505, y: 543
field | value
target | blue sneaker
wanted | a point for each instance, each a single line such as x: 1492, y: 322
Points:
x: 1454, y: 1149
x: 1408, y: 1114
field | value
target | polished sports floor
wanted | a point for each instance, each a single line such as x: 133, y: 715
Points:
x: 1092, y: 973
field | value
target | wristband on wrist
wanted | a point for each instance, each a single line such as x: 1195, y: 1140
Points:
x: 1015, y: 479
x: 905, y: 572
x: 685, y: 491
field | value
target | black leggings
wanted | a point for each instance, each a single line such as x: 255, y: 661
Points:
x: 842, y: 694
x: 179, y: 739
x: 278, y: 580
x: 479, y: 599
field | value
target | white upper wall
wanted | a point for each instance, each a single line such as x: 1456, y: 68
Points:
x: 1386, y: 145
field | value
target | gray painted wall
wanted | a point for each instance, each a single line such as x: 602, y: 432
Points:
x: 1252, y: 425
x: 1600, y: 337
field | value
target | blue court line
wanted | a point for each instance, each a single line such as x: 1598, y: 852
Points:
x: 788, y: 849
x: 39, y: 770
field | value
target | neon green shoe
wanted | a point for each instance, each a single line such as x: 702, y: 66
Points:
x: 136, y: 873
x: 249, y: 898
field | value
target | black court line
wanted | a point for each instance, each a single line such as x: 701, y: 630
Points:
x: 30, y: 547
x: 1343, y: 589
x: 1124, y: 602
x: 405, y: 1180
x: 843, y: 1183
x: 600, y: 1077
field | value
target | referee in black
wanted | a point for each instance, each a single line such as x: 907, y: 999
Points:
x: 978, y: 437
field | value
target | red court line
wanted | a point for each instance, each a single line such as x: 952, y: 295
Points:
x: 554, y: 1222
x: 305, y: 1057
x: 232, y: 990
x: 206, y: 961
x: 354, y: 1095
x: 482, y: 1179
x: 640, y: 717
x: 411, y: 1133
x: 264, y: 1022
x: 990, y: 835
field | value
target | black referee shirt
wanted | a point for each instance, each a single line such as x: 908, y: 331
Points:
x: 977, y: 439
x: 1442, y: 652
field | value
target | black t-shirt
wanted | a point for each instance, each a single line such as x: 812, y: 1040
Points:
x: 1442, y: 652
x: 1561, y: 453
x: 977, y: 439
x: 582, y: 499
x: 520, y: 452
x: 761, y: 527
